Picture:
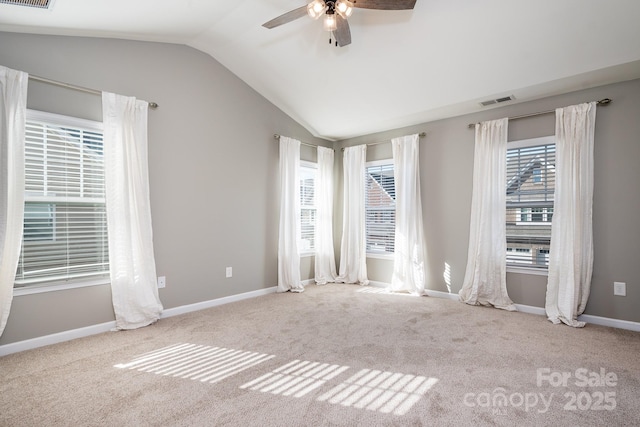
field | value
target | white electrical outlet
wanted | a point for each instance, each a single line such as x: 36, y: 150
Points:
x: 620, y: 289
x: 162, y: 282
x: 229, y: 272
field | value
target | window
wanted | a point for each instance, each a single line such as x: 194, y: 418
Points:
x: 535, y: 215
x: 537, y: 175
x: 307, y: 206
x: 65, y: 229
x: 530, y: 187
x: 380, y: 207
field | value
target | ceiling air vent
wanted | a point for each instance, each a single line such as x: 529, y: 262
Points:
x: 39, y: 4
x: 497, y: 100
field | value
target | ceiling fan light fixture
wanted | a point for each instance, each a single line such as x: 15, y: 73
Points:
x: 316, y: 9
x: 344, y: 8
x: 336, y: 13
x: 330, y: 22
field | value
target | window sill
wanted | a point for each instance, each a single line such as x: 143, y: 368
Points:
x: 526, y: 270
x: 381, y: 256
x: 30, y: 290
x: 307, y: 254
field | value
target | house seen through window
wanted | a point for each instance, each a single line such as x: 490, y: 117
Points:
x: 530, y: 186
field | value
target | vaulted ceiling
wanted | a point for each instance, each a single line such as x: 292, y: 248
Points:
x: 402, y: 68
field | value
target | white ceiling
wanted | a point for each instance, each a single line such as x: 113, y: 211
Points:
x: 403, y: 67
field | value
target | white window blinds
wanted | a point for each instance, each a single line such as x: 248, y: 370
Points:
x: 380, y: 207
x: 308, y: 173
x: 531, y: 171
x: 65, y: 230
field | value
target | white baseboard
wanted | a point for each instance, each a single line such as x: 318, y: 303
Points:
x: 106, y: 327
x: 614, y: 323
x: 596, y: 320
x: 170, y: 312
x: 59, y: 337
x: 531, y: 309
x: 588, y: 318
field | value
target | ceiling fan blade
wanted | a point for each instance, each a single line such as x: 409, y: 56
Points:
x: 385, y: 4
x: 342, y: 33
x: 287, y: 17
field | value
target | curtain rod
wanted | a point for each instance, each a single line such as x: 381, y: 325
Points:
x: 74, y: 87
x: 421, y: 135
x: 605, y: 101
x: 308, y: 144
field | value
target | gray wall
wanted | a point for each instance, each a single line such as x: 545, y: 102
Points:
x: 213, y: 165
x: 446, y: 160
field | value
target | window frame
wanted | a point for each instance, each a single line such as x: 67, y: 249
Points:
x: 70, y: 122
x: 526, y: 143
x: 379, y: 254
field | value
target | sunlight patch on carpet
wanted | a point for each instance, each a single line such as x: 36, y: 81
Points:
x: 383, y: 291
x: 385, y: 392
x: 195, y: 362
x: 296, y: 378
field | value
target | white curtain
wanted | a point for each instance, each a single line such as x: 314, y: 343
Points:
x: 325, y: 262
x: 571, y: 252
x: 13, y: 110
x: 408, y: 267
x: 485, y: 277
x: 353, y: 255
x: 132, y: 264
x: 289, y: 230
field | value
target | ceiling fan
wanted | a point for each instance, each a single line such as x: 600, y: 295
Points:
x: 336, y: 13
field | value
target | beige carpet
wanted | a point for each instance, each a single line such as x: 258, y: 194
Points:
x: 336, y: 355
